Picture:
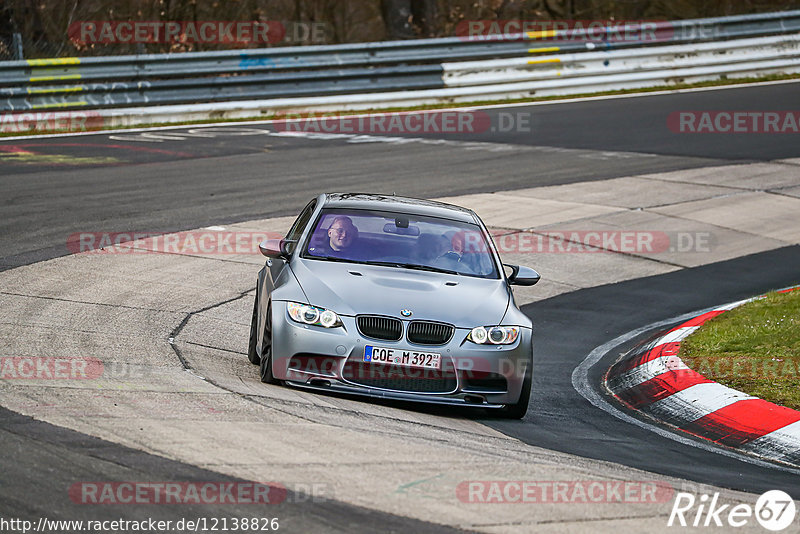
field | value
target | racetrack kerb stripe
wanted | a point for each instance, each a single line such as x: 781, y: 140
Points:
x: 660, y: 387
x: 700, y: 320
x: 652, y: 373
x: 666, y: 349
x: 743, y: 422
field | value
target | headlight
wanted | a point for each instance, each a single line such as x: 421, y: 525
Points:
x: 303, y: 313
x: 494, y: 335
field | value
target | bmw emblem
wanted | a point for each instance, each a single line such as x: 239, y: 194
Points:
x: 406, y: 313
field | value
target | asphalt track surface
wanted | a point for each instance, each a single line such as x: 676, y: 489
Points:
x: 63, y: 185
x: 193, y: 182
x: 41, y: 462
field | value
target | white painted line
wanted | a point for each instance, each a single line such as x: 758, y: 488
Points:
x: 695, y: 402
x: 143, y: 130
x: 565, y: 100
x: 363, y: 138
x: 729, y: 307
x: 605, y: 155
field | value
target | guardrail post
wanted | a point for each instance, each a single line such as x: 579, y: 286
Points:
x: 16, y: 46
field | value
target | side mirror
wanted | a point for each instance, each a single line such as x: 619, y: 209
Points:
x: 523, y: 276
x: 277, y: 249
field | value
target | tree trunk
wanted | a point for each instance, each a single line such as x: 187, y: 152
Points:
x: 426, y: 17
x: 397, y: 18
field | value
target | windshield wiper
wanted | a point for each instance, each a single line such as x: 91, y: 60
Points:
x: 417, y: 267
x: 332, y: 258
x: 412, y: 266
x: 338, y: 259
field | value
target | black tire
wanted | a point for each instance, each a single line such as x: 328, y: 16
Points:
x: 518, y: 410
x: 266, y: 350
x: 252, y: 355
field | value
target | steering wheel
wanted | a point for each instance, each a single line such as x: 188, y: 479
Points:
x: 392, y: 259
x: 452, y: 261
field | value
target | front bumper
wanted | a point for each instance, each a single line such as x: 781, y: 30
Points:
x: 487, y: 376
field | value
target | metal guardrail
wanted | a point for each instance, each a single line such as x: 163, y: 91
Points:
x: 568, y: 67
x: 627, y: 69
x: 314, y: 71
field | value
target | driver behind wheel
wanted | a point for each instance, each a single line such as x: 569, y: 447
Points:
x: 465, y: 253
x: 342, y: 239
x: 430, y: 247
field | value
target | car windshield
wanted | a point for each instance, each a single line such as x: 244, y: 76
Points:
x: 395, y: 239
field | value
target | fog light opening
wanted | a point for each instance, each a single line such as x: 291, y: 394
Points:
x: 320, y: 382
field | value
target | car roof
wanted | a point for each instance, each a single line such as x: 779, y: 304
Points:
x: 412, y: 206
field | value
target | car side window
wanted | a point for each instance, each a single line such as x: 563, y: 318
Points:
x: 301, y: 222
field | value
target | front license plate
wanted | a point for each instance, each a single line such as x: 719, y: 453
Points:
x: 403, y: 358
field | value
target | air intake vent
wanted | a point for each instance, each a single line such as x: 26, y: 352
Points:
x: 484, y: 382
x: 377, y: 327
x: 399, y: 379
x: 427, y: 333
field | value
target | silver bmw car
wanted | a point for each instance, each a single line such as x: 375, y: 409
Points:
x: 395, y: 298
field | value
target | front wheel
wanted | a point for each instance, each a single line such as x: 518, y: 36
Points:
x: 266, y: 350
x: 518, y: 410
x: 252, y: 355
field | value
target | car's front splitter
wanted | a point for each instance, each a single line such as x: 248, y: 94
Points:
x: 335, y: 386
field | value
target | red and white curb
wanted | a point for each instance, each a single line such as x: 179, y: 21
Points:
x: 655, y: 381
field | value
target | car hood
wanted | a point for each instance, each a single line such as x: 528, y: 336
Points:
x: 352, y: 289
